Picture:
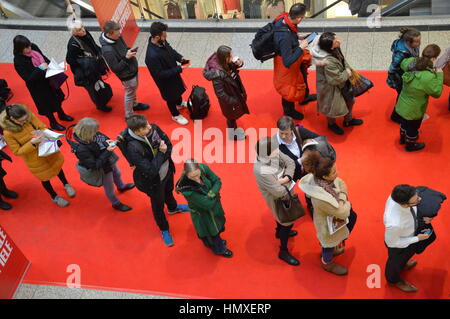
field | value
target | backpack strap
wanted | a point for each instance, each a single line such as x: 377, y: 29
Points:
x: 69, y: 133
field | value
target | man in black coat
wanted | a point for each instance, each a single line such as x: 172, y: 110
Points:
x: 87, y: 64
x: 122, y: 61
x: 3, y: 189
x: 148, y: 149
x: 161, y: 60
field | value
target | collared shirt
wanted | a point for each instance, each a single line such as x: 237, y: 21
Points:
x: 292, y: 147
x: 400, y: 225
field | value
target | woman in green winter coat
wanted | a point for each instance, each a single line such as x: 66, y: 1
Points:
x: 420, y: 81
x: 201, y: 187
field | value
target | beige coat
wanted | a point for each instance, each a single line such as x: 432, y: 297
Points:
x: 326, y: 205
x: 267, y: 176
x: 18, y: 139
x: 330, y: 80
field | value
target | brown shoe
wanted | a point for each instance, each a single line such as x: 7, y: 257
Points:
x: 405, y: 286
x: 338, y: 250
x: 410, y: 264
x: 335, y: 269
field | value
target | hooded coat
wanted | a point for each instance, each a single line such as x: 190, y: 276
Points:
x: 400, y: 51
x: 326, y: 205
x: 46, y: 99
x: 162, y: 61
x: 230, y: 93
x: 206, y: 210
x: 18, y: 138
x: 418, y: 86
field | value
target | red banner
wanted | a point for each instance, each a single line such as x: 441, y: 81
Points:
x: 121, y: 12
x: 13, y: 266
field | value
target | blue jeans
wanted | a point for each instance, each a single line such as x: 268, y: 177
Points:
x: 109, y: 180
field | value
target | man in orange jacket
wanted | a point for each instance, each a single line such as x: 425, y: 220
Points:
x: 291, y: 62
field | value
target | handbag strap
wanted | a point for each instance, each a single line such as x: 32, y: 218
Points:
x: 288, y: 191
x: 298, y: 139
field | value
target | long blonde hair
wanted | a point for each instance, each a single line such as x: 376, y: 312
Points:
x: 86, y: 129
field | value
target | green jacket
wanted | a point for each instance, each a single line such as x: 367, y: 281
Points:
x: 206, y: 210
x: 417, y: 87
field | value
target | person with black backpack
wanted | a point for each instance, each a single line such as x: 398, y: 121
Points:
x: 148, y: 150
x: 222, y: 70
x: 291, y: 61
x: 87, y: 64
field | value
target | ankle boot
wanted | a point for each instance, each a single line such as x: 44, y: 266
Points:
x: 4, y: 205
x: 412, y: 145
x: 287, y: 257
x: 402, y: 136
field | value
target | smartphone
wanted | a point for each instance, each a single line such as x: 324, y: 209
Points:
x: 134, y: 49
x: 113, y: 143
x: 184, y: 62
x: 310, y: 38
x: 428, y: 232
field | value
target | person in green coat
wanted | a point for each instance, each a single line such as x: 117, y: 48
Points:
x: 420, y: 81
x: 201, y: 187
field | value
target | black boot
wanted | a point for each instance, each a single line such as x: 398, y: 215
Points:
x: 287, y: 257
x: 412, y: 145
x: 65, y: 117
x: 402, y: 136
x: 336, y: 129
x: 309, y: 98
x: 9, y: 194
x: 289, y: 110
x: 54, y: 125
x: 4, y: 205
x: 292, y: 233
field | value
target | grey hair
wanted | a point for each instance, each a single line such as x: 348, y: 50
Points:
x: 285, y: 123
x: 190, y: 165
x: 75, y: 24
x: 86, y: 129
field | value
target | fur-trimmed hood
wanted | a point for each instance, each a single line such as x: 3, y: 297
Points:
x: 8, y: 125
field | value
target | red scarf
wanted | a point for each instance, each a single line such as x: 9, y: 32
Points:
x: 291, y: 26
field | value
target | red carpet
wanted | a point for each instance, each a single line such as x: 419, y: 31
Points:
x: 125, y: 252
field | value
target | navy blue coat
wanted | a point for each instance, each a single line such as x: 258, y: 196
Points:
x: 287, y: 44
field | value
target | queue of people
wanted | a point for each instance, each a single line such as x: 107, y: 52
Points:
x: 295, y: 155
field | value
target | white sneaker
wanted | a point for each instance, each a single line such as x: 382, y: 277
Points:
x: 180, y: 119
x: 58, y: 200
x: 183, y: 105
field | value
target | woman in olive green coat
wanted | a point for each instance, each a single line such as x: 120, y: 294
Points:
x: 201, y: 187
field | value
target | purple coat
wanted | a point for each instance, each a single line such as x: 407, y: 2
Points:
x: 230, y: 93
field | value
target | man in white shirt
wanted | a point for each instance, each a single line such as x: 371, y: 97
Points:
x: 401, y: 238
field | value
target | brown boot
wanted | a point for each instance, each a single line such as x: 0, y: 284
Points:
x: 405, y: 286
x: 410, y: 264
x: 335, y: 269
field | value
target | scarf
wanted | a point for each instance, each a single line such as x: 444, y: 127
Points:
x: 36, y: 58
x: 327, y: 186
x: 285, y: 16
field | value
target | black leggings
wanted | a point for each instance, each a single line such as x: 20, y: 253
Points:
x: 49, y: 188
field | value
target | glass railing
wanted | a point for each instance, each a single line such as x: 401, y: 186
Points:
x: 232, y: 9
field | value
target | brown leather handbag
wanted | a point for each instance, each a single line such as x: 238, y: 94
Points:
x: 289, y: 208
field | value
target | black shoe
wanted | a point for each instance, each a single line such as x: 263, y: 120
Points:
x: 287, y: 257
x: 309, y: 98
x: 296, y: 115
x: 57, y: 127
x: 411, y: 147
x: 10, y: 194
x: 127, y: 187
x: 353, y: 122
x: 228, y: 253
x: 66, y: 118
x: 5, y: 205
x: 336, y: 129
x: 104, y: 108
x: 292, y: 233
x: 122, y: 207
x: 141, y: 107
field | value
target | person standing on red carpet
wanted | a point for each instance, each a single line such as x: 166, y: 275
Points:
x: 332, y: 79
x: 21, y: 130
x: 292, y: 61
x: 122, y: 61
x: 334, y: 217
x: 149, y: 151
x: 95, y: 150
x: 273, y: 171
x: 420, y: 81
x: 222, y: 69
x: 407, y: 46
x: 3, y: 189
x: 444, y: 63
x: 201, y: 188
x: 31, y: 65
x: 401, y: 235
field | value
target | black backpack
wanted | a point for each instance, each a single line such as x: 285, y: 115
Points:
x: 198, y: 103
x: 263, y: 46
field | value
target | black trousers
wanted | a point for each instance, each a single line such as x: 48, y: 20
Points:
x: 411, y: 128
x: 163, y: 194
x: 283, y: 233
x: 172, y: 104
x: 395, y: 116
x: 398, y: 257
x: 231, y: 124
